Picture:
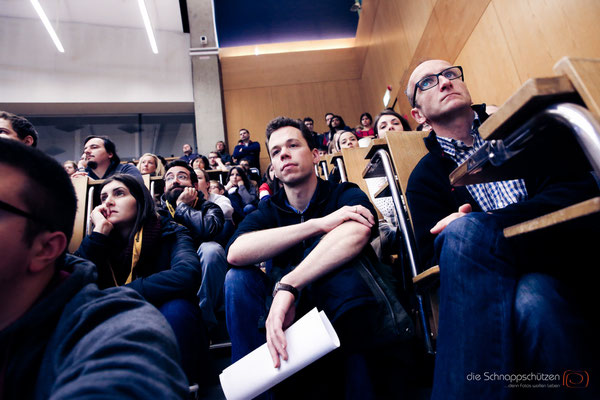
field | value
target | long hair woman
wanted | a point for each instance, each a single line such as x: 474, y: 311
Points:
x: 389, y: 120
x: 241, y: 192
x: 365, y: 128
x: 132, y: 246
x: 150, y: 164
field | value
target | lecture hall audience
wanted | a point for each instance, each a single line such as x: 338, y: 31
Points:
x: 195, y: 256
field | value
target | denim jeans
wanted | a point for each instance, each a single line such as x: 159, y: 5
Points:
x: 186, y: 322
x: 497, y: 318
x: 214, y: 267
x: 247, y: 293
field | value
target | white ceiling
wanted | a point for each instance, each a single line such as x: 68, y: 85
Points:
x: 164, y: 14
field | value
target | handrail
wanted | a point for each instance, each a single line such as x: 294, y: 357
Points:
x: 342, y: 168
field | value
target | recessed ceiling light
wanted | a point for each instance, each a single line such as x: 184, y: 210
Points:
x: 46, y: 22
x: 149, y: 31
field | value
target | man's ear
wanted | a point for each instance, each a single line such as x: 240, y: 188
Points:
x: 195, y: 185
x: 46, y: 248
x: 316, y: 156
x: 28, y: 140
x: 417, y: 115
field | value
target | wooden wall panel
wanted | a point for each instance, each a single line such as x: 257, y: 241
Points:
x: 278, y: 69
x: 501, y: 43
x: 540, y: 32
x: 250, y: 109
x: 396, y: 32
x: 253, y: 108
x: 489, y: 70
x: 408, y: 32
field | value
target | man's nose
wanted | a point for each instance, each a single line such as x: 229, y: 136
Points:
x: 444, y: 82
x: 284, y: 153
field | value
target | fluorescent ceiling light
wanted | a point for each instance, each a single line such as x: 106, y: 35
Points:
x: 44, y: 18
x: 149, y: 31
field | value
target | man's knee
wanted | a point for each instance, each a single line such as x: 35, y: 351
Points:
x: 476, y: 227
x: 539, y: 304
x: 476, y: 238
x: 211, y: 251
x: 179, y: 309
x: 241, y: 281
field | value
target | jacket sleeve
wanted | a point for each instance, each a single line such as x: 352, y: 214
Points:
x: 550, y: 194
x: 204, y: 224
x: 112, y: 346
x: 254, y: 147
x: 180, y: 279
x: 225, y: 204
x: 237, y: 150
x: 429, y: 198
x: 248, y: 196
x: 95, y: 248
x: 131, y: 170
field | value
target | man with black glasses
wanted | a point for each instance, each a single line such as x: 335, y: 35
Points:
x: 505, y: 306
x: 61, y: 337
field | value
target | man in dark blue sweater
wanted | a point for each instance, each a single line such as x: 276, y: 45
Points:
x: 61, y: 337
x: 314, y: 237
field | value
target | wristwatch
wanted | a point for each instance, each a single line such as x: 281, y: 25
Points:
x: 288, y: 288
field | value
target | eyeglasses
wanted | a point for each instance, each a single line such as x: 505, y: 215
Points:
x: 14, y: 210
x: 181, y: 176
x: 431, y: 81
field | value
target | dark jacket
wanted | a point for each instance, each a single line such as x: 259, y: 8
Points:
x: 205, y: 221
x: 172, y: 271
x: 77, y: 341
x: 226, y: 158
x: 114, y: 169
x: 431, y: 197
x: 391, y: 319
x: 251, y: 152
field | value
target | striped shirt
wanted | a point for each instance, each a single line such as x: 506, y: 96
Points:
x: 491, y: 195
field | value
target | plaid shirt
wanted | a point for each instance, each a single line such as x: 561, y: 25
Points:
x: 492, y: 195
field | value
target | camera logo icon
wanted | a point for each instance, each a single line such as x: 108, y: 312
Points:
x: 576, y: 379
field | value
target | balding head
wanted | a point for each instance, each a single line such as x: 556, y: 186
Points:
x: 410, y: 86
x: 443, y: 98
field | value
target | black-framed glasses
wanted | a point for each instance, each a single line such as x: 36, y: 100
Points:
x: 14, y: 210
x: 431, y: 81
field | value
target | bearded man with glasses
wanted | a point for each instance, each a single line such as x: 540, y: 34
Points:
x: 505, y: 306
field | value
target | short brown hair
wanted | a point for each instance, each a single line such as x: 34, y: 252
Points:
x: 282, y: 122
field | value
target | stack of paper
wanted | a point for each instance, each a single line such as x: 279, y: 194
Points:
x: 308, y: 339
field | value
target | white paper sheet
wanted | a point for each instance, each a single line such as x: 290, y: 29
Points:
x: 308, y: 339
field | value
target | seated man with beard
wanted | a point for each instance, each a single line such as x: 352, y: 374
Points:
x: 185, y: 204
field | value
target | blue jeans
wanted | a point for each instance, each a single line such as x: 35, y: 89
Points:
x: 214, y: 267
x: 496, y: 317
x: 186, y: 322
